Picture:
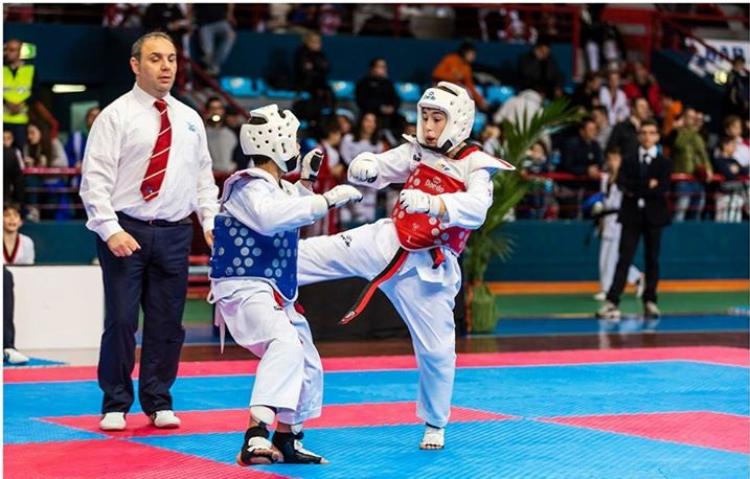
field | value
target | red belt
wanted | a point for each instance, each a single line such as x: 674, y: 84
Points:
x: 398, y: 260
x: 281, y: 302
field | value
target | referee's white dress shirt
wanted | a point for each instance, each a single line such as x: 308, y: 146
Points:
x: 118, y: 151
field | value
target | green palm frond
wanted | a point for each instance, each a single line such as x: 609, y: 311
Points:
x: 510, y: 187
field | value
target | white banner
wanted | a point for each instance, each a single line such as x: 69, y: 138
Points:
x: 708, y: 62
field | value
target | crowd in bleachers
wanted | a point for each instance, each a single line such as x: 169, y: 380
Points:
x: 564, y: 168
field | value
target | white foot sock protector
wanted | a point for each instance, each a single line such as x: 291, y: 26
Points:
x: 263, y: 414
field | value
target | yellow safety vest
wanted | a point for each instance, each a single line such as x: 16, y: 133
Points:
x: 17, y: 89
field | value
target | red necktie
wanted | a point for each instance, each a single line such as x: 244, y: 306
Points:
x: 157, y: 166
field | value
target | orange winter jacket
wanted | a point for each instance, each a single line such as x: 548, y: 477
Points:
x: 455, y: 69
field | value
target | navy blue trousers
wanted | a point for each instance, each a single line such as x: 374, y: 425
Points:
x: 9, y: 329
x: 154, y: 278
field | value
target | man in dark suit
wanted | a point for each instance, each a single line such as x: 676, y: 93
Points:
x: 644, y: 181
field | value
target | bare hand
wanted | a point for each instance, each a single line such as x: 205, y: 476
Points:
x: 594, y: 172
x: 653, y: 183
x: 209, y: 237
x: 122, y: 244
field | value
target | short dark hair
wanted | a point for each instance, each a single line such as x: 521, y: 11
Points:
x: 637, y: 99
x: 213, y: 99
x: 725, y: 140
x: 601, y: 109
x: 466, y: 47
x: 542, y: 41
x: 612, y: 150
x: 329, y: 126
x: 12, y: 206
x: 729, y: 120
x: 135, y: 50
x: 584, y: 121
x: 649, y: 122
x: 375, y: 60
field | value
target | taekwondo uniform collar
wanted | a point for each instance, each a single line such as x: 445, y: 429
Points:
x: 147, y: 100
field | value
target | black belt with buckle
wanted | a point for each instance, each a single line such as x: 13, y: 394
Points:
x: 155, y: 222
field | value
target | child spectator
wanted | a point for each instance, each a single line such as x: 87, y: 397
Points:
x: 17, y: 249
x: 366, y: 138
x: 41, y: 151
x: 731, y: 198
x: 539, y: 199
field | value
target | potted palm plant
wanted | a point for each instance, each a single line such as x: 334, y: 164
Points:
x: 509, y: 189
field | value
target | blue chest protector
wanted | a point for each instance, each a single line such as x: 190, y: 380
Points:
x: 240, y: 252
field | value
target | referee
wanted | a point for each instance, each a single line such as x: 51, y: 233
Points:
x: 145, y: 170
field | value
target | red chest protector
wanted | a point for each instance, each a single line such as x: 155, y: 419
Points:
x: 420, y: 231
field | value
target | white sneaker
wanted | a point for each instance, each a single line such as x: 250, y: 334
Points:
x: 600, y: 296
x: 165, y: 419
x: 434, y: 438
x: 609, y: 310
x: 12, y: 356
x: 113, y: 421
x: 651, y: 310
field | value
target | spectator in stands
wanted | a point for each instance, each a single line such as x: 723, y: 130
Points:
x: 171, y: 18
x: 375, y: 93
x: 538, y: 68
x: 539, y: 198
x: 10, y: 142
x: 581, y: 156
x: 13, y: 187
x: 19, y: 91
x: 613, y: 98
x: 527, y: 102
x: 643, y: 84
x: 221, y: 140
x: 17, y: 249
x: 625, y: 134
x: 365, y: 138
x: 345, y: 119
x: 215, y: 22
x: 671, y: 109
x: 732, y: 196
x: 332, y: 172
x: 311, y: 69
x: 41, y: 151
x: 737, y: 94
x: 600, y: 117
x: 76, y: 144
x: 690, y: 157
x: 644, y: 180
x: 491, y: 139
x: 586, y: 95
x: 8, y: 139
x: 733, y: 129
x: 456, y: 68
x: 329, y: 18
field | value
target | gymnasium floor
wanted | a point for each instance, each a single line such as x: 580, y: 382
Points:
x: 544, y: 396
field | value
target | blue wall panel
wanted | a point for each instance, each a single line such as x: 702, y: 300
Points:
x: 544, y: 251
